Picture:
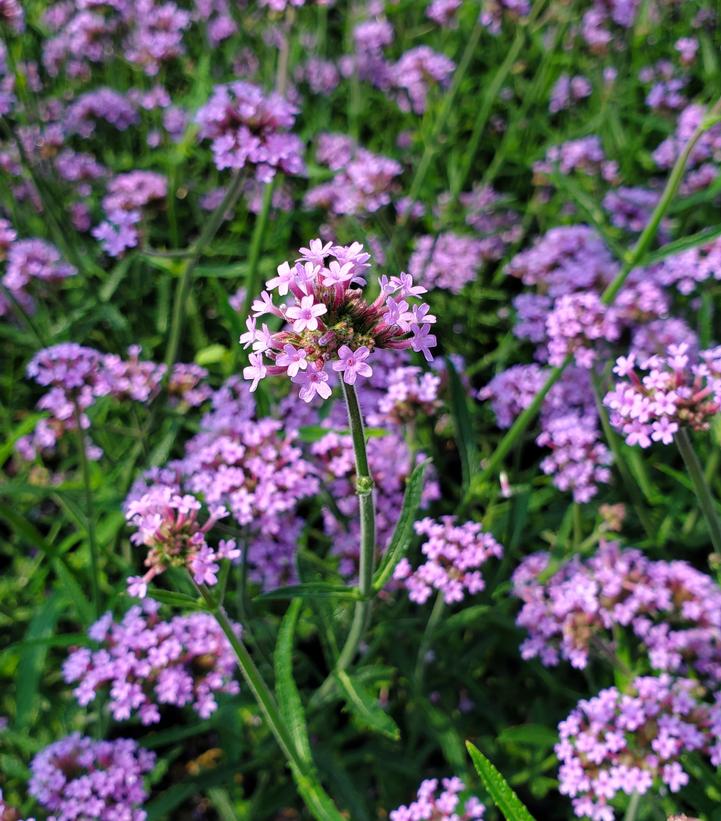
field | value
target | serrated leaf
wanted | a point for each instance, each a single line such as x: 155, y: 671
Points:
x: 503, y: 796
x: 403, y: 530
x: 310, y: 590
x: 365, y: 708
x: 289, y: 701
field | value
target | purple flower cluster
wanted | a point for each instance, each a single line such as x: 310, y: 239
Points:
x: 671, y: 610
x: 576, y: 325
x: 78, y: 778
x: 414, y: 72
x: 29, y: 262
x: 147, y: 33
x: 687, y: 269
x: 702, y: 164
x: 629, y: 742
x: 250, y: 128
x: 126, y: 196
x: 100, y: 105
x: 328, y: 322
x: 579, y: 461
x: 674, y: 390
x: 564, y: 260
x: 76, y: 376
x: 391, y: 463
x: 567, y: 91
x: 597, y: 23
x: 409, y: 393
x: 630, y: 208
x: 148, y: 663
x: 585, y: 154
x: 454, y: 555
x: 443, y: 12
x: 447, y: 261
x: 442, y: 801
x: 167, y: 523
x: 251, y: 468
x: 498, y: 226
x: 364, y: 181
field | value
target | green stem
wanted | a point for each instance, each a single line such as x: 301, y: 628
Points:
x: 364, y: 489
x: 703, y: 491
x: 256, y: 246
x: 434, y: 618
x: 89, y: 509
x: 448, y: 101
x: 608, y: 297
x: 632, y: 809
x: 306, y: 780
x: 210, y: 229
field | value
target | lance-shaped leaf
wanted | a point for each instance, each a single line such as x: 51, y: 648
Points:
x: 503, y: 796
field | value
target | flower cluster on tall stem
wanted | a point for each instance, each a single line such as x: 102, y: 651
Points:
x: 328, y: 323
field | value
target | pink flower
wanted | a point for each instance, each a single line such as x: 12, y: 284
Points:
x: 423, y: 340
x: 352, y: 363
x: 292, y: 358
x: 313, y: 382
x: 306, y: 314
x: 255, y: 371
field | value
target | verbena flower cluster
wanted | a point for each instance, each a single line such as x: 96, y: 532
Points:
x: 442, y: 801
x: 679, y: 389
x: 147, y: 663
x: 77, y: 376
x: 364, y: 182
x: 248, y: 127
x: 668, y: 609
x: 80, y: 778
x: 329, y: 324
x: 454, y: 554
x: 30, y: 266
x: 246, y: 471
x: 628, y: 742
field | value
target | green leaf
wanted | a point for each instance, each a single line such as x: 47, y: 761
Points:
x: 27, y: 531
x: 503, y: 796
x: 465, y: 437
x: 532, y: 735
x: 28, y: 424
x: 316, y: 799
x: 403, y: 531
x: 173, y: 599
x: 365, y: 707
x: 289, y: 701
x: 32, y: 660
x: 310, y: 590
x: 211, y: 355
x: 683, y: 244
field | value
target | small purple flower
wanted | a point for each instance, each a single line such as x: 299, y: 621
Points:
x: 352, y: 363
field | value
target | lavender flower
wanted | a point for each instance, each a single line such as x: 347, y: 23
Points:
x: 630, y: 742
x: 328, y: 322
x: 454, y: 553
x: 449, y: 261
x: 669, y: 609
x: 675, y: 391
x: 147, y: 663
x: 78, y: 777
x: 450, y: 804
x: 413, y: 74
x: 247, y: 127
x: 567, y: 91
x: 575, y: 326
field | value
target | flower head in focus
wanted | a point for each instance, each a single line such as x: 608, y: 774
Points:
x: 328, y: 325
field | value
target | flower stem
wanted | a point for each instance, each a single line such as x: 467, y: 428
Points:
x: 306, y: 779
x: 703, y: 491
x: 364, y: 489
x: 256, y: 245
x: 632, y: 809
x: 434, y: 618
x: 608, y: 297
x: 210, y: 229
x: 89, y: 510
